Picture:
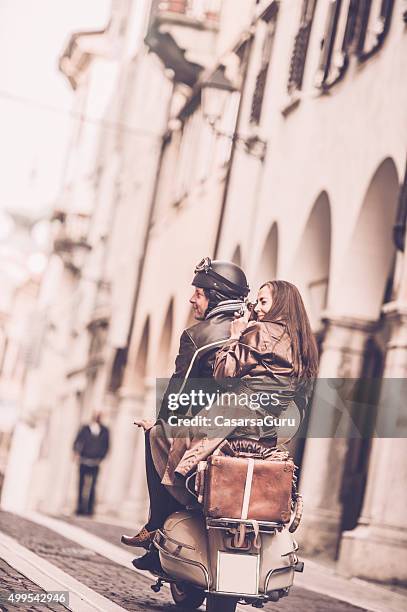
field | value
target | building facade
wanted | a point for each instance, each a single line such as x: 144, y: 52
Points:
x: 20, y: 262
x: 270, y: 133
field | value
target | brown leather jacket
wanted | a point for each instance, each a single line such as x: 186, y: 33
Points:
x: 263, y: 351
x: 262, y: 361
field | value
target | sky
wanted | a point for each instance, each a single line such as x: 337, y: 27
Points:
x: 33, y: 139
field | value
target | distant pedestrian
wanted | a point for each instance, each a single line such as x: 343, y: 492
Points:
x: 91, y: 446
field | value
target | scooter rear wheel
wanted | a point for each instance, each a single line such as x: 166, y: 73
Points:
x: 187, y: 595
x: 220, y: 603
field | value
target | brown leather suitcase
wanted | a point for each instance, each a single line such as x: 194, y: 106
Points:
x: 243, y: 488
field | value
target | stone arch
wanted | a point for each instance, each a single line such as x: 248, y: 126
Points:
x: 364, y: 274
x: 164, y: 343
x: 311, y: 264
x: 237, y: 256
x: 266, y: 268
x: 367, y: 275
x: 141, y: 360
x: 310, y: 273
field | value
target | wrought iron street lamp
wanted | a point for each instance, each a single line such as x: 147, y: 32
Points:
x: 215, y: 93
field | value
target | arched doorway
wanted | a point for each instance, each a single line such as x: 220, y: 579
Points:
x: 311, y: 264
x: 368, y: 276
x: 164, y: 343
x: 140, y: 364
x: 360, y: 285
x: 266, y: 268
x: 310, y: 273
x: 164, y: 362
x: 142, y: 405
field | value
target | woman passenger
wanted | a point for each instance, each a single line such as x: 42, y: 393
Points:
x: 275, y: 355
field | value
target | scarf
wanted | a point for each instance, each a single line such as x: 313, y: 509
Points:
x: 224, y: 307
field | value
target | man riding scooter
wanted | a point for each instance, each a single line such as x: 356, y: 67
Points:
x: 220, y: 290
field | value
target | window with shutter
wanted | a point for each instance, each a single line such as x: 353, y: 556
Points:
x: 353, y: 26
x: 301, y: 42
x: 261, y: 79
x: 374, y: 21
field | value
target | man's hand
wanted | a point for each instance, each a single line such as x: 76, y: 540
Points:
x: 145, y: 424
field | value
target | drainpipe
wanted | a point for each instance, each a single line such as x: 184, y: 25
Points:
x: 246, y: 59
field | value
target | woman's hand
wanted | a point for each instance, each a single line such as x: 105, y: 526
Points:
x: 145, y: 424
x: 238, y: 326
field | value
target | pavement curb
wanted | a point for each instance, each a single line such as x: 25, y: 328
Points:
x: 51, y: 578
x: 325, y: 581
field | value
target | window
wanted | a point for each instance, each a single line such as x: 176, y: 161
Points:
x: 373, y: 25
x: 360, y: 29
x: 261, y: 79
x: 166, y: 186
x: 301, y: 42
x: 331, y: 66
x: 205, y: 148
x: 186, y: 164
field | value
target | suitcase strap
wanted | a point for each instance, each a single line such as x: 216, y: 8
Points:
x: 241, y: 531
x: 247, y: 489
x: 240, y: 535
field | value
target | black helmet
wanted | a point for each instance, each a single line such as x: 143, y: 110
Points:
x: 224, y: 277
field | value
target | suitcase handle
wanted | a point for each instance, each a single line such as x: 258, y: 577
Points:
x: 187, y: 480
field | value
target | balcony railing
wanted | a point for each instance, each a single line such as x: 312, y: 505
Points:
x: 198, y: 10
x: 72, y: 231
x: 71, y: 238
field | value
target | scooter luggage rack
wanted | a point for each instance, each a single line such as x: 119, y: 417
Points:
x: 231, y: 523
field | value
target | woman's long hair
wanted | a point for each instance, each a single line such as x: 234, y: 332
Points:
x: 288, y: 306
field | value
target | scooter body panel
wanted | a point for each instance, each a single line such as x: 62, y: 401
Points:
x: 278, y: 559
x: 183, y: 548
x: 207, y: 558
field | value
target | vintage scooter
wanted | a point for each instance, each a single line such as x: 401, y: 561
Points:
x: 226, y: 560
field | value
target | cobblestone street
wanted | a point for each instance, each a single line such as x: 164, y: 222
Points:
x: 125, y: 587
x: 12, y: 581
